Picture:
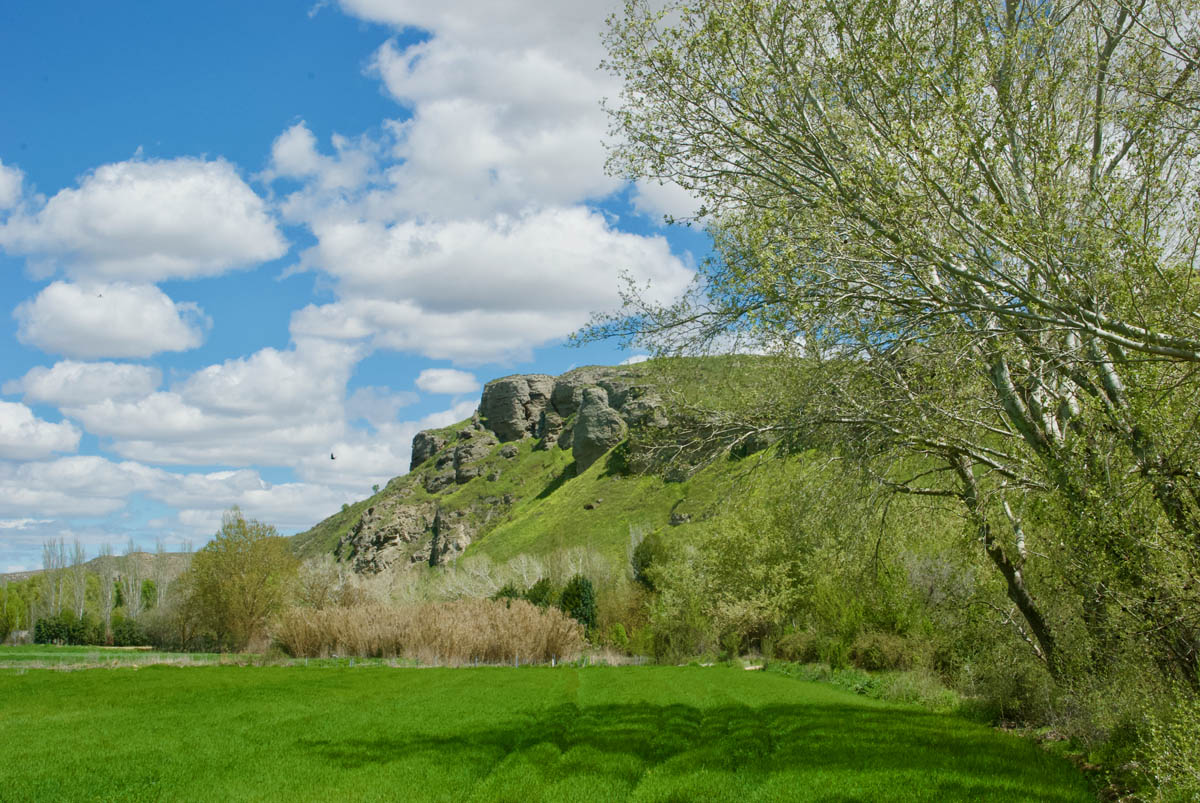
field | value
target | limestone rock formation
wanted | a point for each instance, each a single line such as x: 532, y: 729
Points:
x: 473, y: 446
x: 510, y: 407
x: 598, y: 428
x: 588, y: 411
x: 386, y: 533
x: 424, y: 446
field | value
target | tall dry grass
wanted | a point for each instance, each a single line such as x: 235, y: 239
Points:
x: 459, y: 632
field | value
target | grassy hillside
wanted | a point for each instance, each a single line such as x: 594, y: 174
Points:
x: 550, y: 506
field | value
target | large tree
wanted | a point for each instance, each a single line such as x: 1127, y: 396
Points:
x: 239, y: 579
x: 984, y: 218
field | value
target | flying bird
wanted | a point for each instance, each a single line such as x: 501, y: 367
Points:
x: 331, y: 457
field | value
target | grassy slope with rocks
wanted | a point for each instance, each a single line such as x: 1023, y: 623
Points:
x: 555, y: 507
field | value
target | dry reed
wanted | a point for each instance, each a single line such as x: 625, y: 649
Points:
x: 460, y: 632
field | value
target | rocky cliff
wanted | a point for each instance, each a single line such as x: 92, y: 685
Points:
x: 456, y: 488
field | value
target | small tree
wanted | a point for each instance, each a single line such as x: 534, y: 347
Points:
x: 239, y: 579
x: 579, y: 601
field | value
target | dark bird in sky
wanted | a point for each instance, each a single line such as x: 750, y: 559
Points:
x: 331, y: 457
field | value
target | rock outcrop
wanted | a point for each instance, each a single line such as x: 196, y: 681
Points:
x: 510, y: 407
x: 390, y: 531
x: 424, y: 446
x: 598, y: 428
x: 424, y: 518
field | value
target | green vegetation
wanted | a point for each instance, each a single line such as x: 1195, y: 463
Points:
x: 650, y: 734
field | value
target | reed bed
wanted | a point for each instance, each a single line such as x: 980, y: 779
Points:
x: 461, y: 632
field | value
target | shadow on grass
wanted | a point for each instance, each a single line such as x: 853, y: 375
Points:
x: 823, y: 752
x: 567, y: 473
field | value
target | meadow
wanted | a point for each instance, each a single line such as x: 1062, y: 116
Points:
x: 322, y: 732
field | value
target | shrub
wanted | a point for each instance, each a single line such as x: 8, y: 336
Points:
x: 459, y: 632
x: 508, y: 591
x: 802, y: 647
x: 541, y: 593
x: 617, y: 637
x: 128, y: 633
x: 645, y: 555
x: 66, y: 628
x: 578, y: 601
x: 880, y: 651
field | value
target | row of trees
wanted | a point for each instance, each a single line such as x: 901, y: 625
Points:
x: 108, y: 589
x: 222, y: 598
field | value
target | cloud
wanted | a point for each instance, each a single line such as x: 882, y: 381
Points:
x: 69, y: 383
x: 569, y: 28
x: 93, y: 319
x: 294, y: 155
x: 147, y: 221
x: 635, y: 359
x: 270, y: 408
x: 378, y: 406
x: 90, y: 486
x: 518, y: 282
x: 10, y: 186
x: 657, y: 200
x: 493, y: 129
x: 365, y: 459
x: 21, y: 524
x: 23, y: 436
x: 447, y: 380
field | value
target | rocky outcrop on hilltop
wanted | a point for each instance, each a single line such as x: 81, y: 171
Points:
x: 432, y: 514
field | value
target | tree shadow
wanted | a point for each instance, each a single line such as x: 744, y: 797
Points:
x: 626, y: 744
x: 567, y: 473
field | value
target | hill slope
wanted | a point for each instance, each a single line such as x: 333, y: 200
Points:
x: 534, y: 470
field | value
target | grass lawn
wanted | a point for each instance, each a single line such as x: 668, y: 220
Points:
x: 592, y: 734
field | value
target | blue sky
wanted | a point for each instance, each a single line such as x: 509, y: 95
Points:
x: 237, y: 237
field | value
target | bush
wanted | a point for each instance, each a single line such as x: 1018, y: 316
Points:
x: 66, y: 628
x: 541, y: 593
x: 128, y: 633
x: 578, y: 601
x: 802, y: 647
x: 508, y: 591
x: 618, y: 638
x: 882, y: 651
x: 459, y: 632
x: 645, y: 555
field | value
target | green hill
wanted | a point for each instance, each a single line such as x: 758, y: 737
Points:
x: 535, y: 470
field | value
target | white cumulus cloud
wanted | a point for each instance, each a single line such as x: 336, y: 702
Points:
x: 10, y: 186
x: 447, y: 380
x: 24, y: 436
x: 93, y: 319
x: 147, y: 221
x: 270, y: 408
x: 70, y: 383
x: 518, y: 282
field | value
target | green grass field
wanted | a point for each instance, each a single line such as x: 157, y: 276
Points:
x: 572, y: 734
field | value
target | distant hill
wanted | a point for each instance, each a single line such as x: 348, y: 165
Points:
x: 177, y: 562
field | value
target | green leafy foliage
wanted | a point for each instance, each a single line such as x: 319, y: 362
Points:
x: 541, y: 593
x: 578, y: 600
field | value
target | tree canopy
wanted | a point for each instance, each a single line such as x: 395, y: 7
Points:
x: 978, y: 224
